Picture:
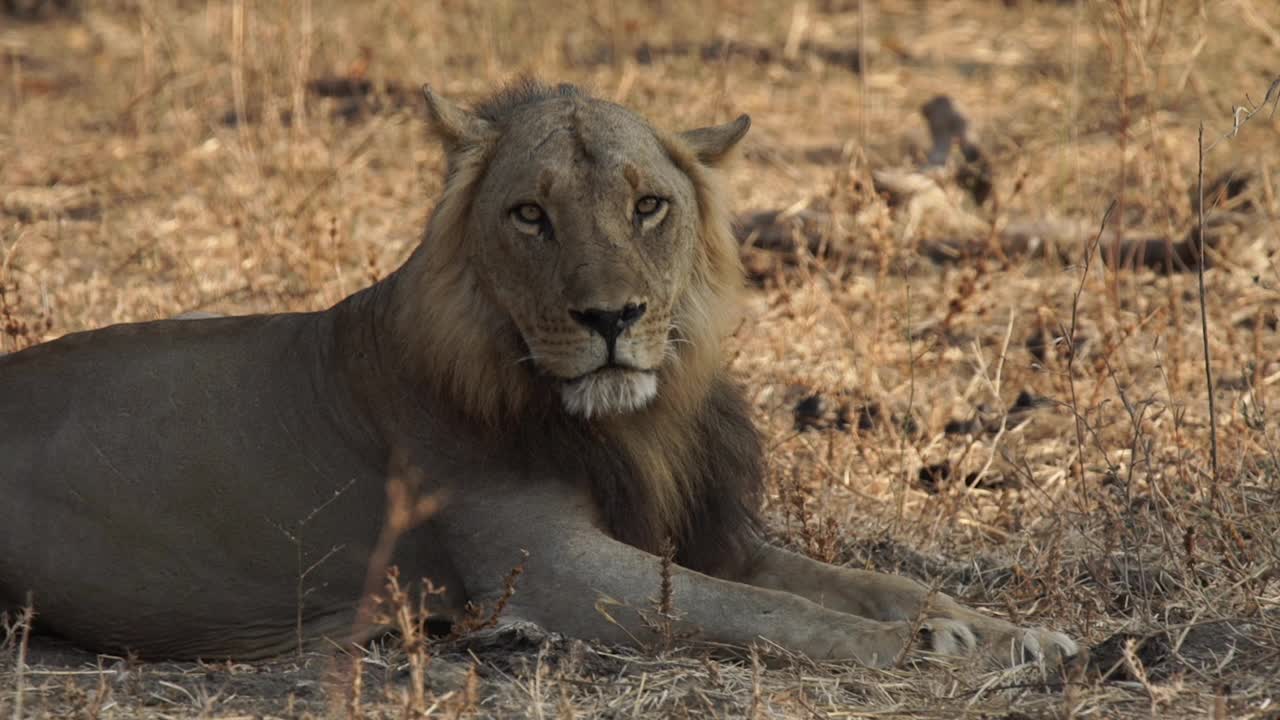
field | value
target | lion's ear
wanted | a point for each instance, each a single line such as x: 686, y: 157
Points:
x: 455, y: 126
x: 712, y: 144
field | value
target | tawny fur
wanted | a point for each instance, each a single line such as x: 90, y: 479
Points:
x: 454, y: 333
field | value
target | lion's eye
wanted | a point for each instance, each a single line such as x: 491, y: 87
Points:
x: 529, y: 213
x: 647, y: 205
x: 649, y: 208
x: 530, y: 218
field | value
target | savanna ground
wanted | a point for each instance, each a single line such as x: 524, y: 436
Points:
x: 1025, y: 425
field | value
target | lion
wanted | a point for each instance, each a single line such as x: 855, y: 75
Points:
x: 548, y: 361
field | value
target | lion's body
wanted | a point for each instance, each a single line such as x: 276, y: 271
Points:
x: 160, y: 520
x: 547, y: 362
x: 188, y: 511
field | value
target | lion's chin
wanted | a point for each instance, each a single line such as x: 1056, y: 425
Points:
x: 611, y: 391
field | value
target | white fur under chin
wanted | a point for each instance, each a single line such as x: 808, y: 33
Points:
x: 609, y: 392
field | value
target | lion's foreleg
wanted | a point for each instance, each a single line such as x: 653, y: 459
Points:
x: 579, y: 581
x: 611, y: 592
x: 884, y: 597
x: 875, y: 595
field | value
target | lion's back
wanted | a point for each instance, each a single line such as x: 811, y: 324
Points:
x: 136, y: 375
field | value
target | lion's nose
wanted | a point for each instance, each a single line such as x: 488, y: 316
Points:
x: 609, y: 324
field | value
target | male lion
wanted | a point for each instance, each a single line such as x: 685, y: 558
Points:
x: 549, y: 360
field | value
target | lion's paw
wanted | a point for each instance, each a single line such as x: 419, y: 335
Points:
x: 945, y: 636
x: 1010, y: 645
x: 1038, y: 645
x: 1006, y: 644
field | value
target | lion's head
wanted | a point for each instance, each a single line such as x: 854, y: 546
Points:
x: 576, y: 253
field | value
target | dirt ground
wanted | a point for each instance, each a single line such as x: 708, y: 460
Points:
x: 961, y: 374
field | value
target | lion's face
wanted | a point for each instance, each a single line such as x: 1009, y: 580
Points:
x: 574, y: 241
x: 585, y: 234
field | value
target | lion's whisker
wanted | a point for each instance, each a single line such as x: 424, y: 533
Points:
x: 676, y: 334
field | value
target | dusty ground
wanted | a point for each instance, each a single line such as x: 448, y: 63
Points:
x: 1024, y: 429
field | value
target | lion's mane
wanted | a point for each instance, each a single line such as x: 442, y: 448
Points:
x: 686, y: 469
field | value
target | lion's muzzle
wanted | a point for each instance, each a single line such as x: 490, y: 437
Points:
x: 609, y: 324
x: 611, y: 390
x: 618, y: 384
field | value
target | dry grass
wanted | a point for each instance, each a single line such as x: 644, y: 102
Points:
x: 161, y: 157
